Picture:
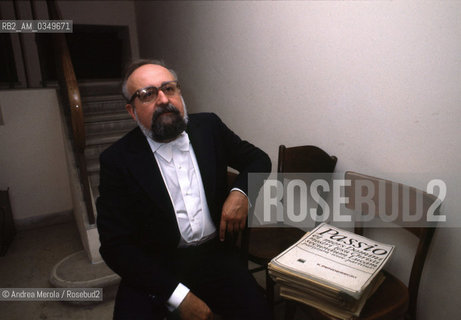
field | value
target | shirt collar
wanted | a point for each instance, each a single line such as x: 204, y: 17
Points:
x: 165, y: 150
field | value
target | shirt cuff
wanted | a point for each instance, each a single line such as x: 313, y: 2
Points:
x: 239, y: 190
x: 177, y: 297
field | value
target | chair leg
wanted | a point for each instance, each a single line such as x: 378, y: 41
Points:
x: 290, y: 310
x: 269, y: 290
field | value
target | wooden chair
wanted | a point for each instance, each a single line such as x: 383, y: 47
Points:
x: 392, y: 300
x: 263, y: 244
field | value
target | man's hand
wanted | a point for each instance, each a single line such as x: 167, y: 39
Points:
x: 193, y: 308
x: 234, y: 214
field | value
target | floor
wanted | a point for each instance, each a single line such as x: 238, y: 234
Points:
x: 28, y: 263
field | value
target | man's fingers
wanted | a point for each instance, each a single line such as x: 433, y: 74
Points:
x: 234, y: 214
x: 230, y: 227
x: 242, y: 225
x: 222, y: 229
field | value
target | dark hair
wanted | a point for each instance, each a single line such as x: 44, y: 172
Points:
x: 130, y: 68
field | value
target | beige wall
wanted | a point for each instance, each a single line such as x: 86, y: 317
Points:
x: 32, y: 160
x: 375, y: 83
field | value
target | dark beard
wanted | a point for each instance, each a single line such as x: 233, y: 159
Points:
x: 166, y: 127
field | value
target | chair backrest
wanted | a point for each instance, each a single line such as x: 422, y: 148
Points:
x: 305, y: 159
x: 387, y: 201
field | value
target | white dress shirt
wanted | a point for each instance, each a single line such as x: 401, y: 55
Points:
x: 181, y: 174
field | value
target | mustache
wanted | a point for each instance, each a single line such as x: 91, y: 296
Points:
x: 165, y: 130
x: 169, y: 108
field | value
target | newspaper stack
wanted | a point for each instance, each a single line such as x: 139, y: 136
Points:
x: 331, y: 269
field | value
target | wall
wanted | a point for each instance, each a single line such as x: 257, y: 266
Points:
x: 32, y: 160
x: 118, y: 13
x: 111, y: 13
x: 374, y: 83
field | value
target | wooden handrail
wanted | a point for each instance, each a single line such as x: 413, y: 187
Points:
x: 69, y: 87
x: 69, y: 81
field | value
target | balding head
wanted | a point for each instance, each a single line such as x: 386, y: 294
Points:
x: 137, y: 64
x: 154, y: 100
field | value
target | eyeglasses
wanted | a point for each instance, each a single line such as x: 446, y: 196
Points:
x: 149, y: 94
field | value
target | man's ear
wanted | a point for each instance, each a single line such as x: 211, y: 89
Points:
x: 130, y: 110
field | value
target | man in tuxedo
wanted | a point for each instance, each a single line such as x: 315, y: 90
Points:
x: 165, y: 210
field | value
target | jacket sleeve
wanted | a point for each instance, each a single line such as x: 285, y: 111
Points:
x: 243, y: 157
x: 120, y: 234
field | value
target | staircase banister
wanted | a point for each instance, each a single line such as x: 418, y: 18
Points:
x: 70, y: 82
x: 73, y: 96
x: 70, y: 86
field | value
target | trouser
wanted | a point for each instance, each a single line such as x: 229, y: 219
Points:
x: 212, y: 273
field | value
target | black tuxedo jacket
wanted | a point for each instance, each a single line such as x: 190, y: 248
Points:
x: 136, y: 220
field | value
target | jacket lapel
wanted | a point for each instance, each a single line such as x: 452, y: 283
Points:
x: 203, y: 145
x: 146, y: 171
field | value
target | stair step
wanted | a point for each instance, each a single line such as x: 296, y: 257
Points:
x: 106, y: 97
x: 92, y: 165
x: 93, y: 151
x: 106, y: 138
x: 94, y: 179
x: 107, y: 116
x: 106, y: 121
x: 103, y: 105
x: 124, y: 125
x: 94, y: 182
x: 77, y: 271
x: 95, y: 192
x: 102, y: 87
